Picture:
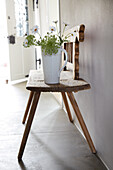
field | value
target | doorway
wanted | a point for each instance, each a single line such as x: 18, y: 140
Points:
x: 4, y: 51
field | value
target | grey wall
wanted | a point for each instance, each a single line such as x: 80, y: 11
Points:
x: 96, y: 66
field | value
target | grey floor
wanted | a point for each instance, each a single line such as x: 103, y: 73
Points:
x: 53, y: 144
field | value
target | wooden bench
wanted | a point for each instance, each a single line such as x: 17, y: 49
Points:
x: 69, y: 83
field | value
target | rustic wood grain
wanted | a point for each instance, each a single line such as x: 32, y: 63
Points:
x: 69, y: 49
x: 28, y: 125
x: 28, y: 106
x: 36, y: 85
x: 81, y: 33
x: 81, y: 121
x: 67, y: 106
x: 67, y: 84
x: 74, y: 56
x: 76, y: 61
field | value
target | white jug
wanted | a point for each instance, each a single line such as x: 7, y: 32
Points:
x: 52, y: 66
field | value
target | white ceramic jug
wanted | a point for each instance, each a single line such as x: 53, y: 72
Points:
x: 52, y: 66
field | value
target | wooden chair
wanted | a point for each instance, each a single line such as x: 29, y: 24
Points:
x: 67, y: 86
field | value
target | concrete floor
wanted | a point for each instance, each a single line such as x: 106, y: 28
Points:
x: 3, y: 74
x: 53, y: 144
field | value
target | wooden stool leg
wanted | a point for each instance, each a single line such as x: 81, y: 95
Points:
x: 67, y: 106
x: 28, y: 106
x: 81, y: 121
x: 28, y: 125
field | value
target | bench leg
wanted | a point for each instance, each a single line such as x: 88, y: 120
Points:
x: 28, y: 106
x: 81, y: 121
x: 67, y: 106
x: 28, y: 125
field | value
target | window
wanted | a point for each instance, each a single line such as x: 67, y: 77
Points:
x: 21, y: 15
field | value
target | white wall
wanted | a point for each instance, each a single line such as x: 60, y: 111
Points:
x: 43, y: 18
x: 53, y: 11
x: 31, y: 15
x: 49, y: 12
x: 96, y: 66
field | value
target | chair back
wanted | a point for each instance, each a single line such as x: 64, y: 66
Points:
x: 72, y: 48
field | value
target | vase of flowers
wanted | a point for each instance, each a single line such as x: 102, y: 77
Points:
x: 51, y: 46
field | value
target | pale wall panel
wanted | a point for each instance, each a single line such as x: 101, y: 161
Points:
x: 96, y: 66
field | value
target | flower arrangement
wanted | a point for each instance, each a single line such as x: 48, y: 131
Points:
x: 51, y: 42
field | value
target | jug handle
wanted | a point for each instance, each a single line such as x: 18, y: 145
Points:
x: 65, y: 61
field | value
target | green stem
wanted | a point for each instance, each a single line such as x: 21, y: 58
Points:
x: 68, y: 35
x: 40, y: 36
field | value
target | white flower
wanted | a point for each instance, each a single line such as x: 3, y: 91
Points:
x: 35, y: 29
x: 65, y: 24
x: 73, y: 34
x: 25, y: 42
x: 52, y: 28
x: 55, y: 22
